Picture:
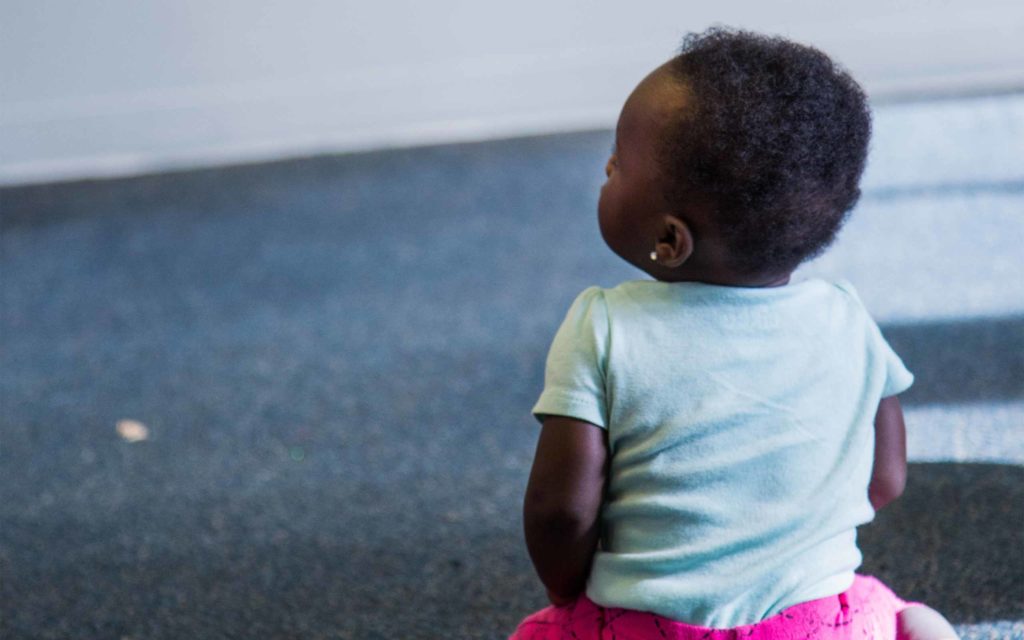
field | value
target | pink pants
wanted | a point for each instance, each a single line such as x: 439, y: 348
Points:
x: 867, y: 610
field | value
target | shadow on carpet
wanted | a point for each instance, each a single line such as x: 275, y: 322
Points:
x: 954, y: 541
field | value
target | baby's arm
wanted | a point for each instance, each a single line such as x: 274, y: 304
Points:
x: 562, y: 506
x: 889, y: 474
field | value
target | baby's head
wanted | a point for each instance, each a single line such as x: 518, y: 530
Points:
x: 735, y: 161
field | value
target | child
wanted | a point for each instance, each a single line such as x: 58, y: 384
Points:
x: 712, y: 438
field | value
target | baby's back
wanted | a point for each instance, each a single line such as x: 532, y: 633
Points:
x: 740, y: 423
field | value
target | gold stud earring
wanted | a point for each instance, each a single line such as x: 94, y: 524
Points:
x: 654, y: 256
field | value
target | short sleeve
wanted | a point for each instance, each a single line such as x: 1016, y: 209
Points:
x: 897, y: 377
x: 574, y: 377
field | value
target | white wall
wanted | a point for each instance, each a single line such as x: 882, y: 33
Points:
x: 114, y: 87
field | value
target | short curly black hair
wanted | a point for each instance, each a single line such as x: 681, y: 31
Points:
x: 775, y: 136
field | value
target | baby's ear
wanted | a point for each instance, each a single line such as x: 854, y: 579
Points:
x: 676, y: 243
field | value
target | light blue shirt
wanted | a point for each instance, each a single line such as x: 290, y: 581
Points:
x: 741, y: 429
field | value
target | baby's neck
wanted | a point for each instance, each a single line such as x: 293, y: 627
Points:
x: 729, y: 280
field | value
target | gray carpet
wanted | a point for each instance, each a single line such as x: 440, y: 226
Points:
x: 335, y: 359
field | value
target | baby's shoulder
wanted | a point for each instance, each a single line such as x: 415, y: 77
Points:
x: 846, y: 287
x: 589, y: 298
x: 846, y: 294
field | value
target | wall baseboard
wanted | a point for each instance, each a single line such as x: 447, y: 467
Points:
x: 120, y: 165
